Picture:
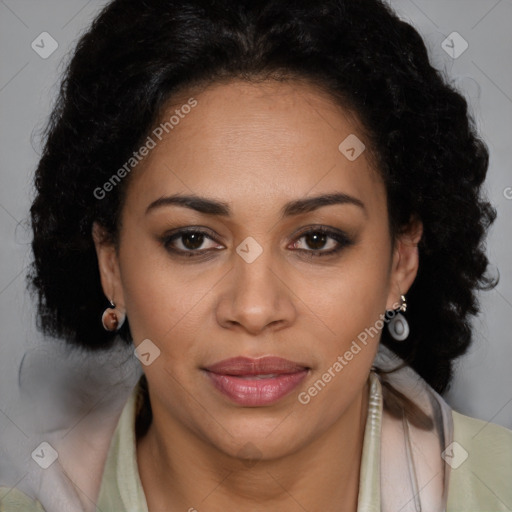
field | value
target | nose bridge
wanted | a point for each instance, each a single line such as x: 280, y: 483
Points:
x: 257, y: 295
x: 254, y: 273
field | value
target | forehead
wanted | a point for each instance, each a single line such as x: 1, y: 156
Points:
x: 269, y: 139
x: 268, y: 117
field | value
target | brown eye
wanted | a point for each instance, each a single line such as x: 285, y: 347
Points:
x: 192, y: 241
x: 316, y: 240
x: 189, y: 242
x: 321, y: 242
x: 312, y: 243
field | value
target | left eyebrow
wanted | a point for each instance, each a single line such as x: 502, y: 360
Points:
x: 296, y: 207
x: 312, y: 203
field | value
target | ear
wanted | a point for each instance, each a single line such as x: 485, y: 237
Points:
x: 405, y: 261
x: 108, y: 264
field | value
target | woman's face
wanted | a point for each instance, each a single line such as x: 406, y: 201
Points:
x: 265, y: 168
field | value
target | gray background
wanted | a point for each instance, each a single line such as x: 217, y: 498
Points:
x: 28, y: 84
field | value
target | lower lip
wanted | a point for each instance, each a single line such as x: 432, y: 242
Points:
x: 256, y: 392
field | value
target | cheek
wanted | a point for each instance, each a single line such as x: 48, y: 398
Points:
x: 164, y: 299
x: 351, y: 304
x: 168, y: 303
x: 156, y: 295
x: 351, y: 298
x: 352, y: 309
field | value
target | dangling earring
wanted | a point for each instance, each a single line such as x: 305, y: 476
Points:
x: 398, y: 327
x: 111, y: 319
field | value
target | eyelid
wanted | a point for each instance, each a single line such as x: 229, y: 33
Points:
x: 317, y: 228
x: 339, y: 236
x: 178, y: 232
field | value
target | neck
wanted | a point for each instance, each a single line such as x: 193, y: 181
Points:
x: 179, y: 471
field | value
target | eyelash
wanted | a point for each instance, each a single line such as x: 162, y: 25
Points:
x: 341, y: 238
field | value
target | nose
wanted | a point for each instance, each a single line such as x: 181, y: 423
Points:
x: 257, y: 296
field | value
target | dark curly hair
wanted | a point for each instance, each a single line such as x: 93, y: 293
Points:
x: 138, y: 55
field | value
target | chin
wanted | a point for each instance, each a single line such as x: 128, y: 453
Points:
x: 263, y: 439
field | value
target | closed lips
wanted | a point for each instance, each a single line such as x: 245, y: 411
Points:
x: 256, y: 382
x: 265, y: 366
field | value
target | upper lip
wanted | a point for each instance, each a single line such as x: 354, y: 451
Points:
x: 260, y: 366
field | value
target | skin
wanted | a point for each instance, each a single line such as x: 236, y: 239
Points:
x: 256, y: 147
